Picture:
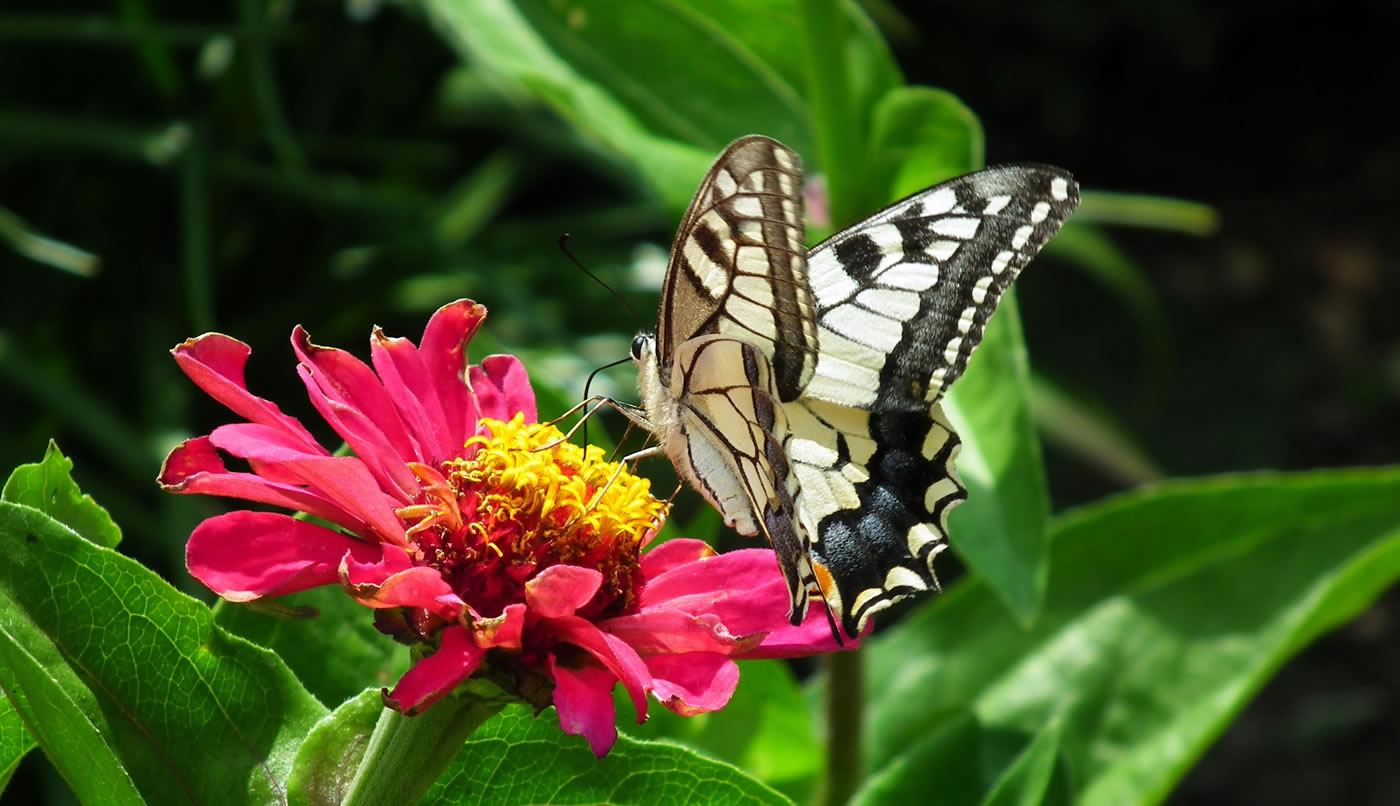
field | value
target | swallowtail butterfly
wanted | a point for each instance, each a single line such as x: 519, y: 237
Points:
x: 798, y: 389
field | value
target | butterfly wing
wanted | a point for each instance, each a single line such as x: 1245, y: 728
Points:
x: 739, y: 264
x: 735, y: 448
x: 902, y: 300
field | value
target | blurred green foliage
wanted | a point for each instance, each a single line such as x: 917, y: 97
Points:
x: 248, y: 168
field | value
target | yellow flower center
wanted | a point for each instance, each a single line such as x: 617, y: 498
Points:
x: 525, y: 499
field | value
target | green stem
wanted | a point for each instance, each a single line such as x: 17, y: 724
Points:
x: 844, y: 703
x: 194, y: 220
x: 407, y: 754
x: 258, y: 53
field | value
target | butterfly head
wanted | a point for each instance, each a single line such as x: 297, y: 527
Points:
x: 643, y: 347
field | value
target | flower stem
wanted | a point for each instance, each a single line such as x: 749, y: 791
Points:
x: 406, y: 754
x: 844, y: 701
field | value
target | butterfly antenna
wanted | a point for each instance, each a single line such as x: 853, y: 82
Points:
x: 588, y: 384
x: 564, y: 247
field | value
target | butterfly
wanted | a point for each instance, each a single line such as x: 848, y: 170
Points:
x: 798, y: 390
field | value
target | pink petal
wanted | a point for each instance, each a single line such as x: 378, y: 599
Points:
x: 407, y: 381
x: 672, y: 554
x: 660, y: 630
x: 583, y: 698
x: 505, y: 630
x: 613, y: 653
x: 387, y: 465
x: 559, y: 590
x: 444, y: 350
x: 436, y: 675
x: 195, y: 467
x: 348, y: 380
x: 812, y: 636
x: 342, y: 479
x: 503, y: 388
x: 215, y: 363
x: 393, y: 582
x: 694, y: 683
x: 247, y: 555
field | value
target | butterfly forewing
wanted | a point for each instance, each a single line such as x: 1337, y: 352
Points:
x: 902, y: 299
x: 739, y: 263
x: 799, y: 391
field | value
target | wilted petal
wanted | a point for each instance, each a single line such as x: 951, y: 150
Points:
x: 504, y: 631
x: 583, y: 698
x: 559, y: 590
x: 694, y: 683
x: 247, y: 555
x: 444, y: 350
x: 503, y: 388
x: 215, y: 363
x: 436, y: 675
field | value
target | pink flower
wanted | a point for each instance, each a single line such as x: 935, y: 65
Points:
x: 475, y: 532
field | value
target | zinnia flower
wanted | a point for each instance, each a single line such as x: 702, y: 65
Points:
x: 475, y: 531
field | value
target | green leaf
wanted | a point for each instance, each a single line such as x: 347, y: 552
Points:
x: 1000, y: 531
x: 127, y: 672
x: 326, y: 762
x: 518, y: 758
x: 663, y: 85
x: 335, y: 654
x: 1153, y: 212
x: 1091, y: 434
x: 48, y: 486
x: 15, y: 741
x: 923, y: 136
x: 1167, y: 610
x: 1025, y: 782
x: 766, y: 729
x: 48, y: 697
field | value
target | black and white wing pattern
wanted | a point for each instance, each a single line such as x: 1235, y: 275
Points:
x: 798, y: 391
x: 902, y: 300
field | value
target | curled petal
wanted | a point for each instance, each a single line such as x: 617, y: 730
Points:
x: 365, y: 438
x: 348, y: 380
x: 436, y: 675
x: 693, y: 683
x: 503, y: 388
x: 215, y: 363
x: 195, y: 467
x: 583, y: 698
x: 407, y: 380
x: 559, y: 590
x: 613, y: 653
x: 392, y: 581
x: 444, y: 350
x: 247, y: 555
x: 342, y: 479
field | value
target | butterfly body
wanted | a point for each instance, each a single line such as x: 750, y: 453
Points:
x: 798, y: 390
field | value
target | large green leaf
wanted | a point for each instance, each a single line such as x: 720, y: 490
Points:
x: 765, y: 730
x: 121, y: 675
x: 1167, y: 609
x: 1001, y: 529
x: 336, y: 653
x: 15, y: 741
x: 664, y: 85
x: 518, y: 758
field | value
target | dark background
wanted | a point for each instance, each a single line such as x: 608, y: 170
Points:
x: 1281, y: 331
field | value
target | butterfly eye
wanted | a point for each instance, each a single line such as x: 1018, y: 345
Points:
x: 639, y: 342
